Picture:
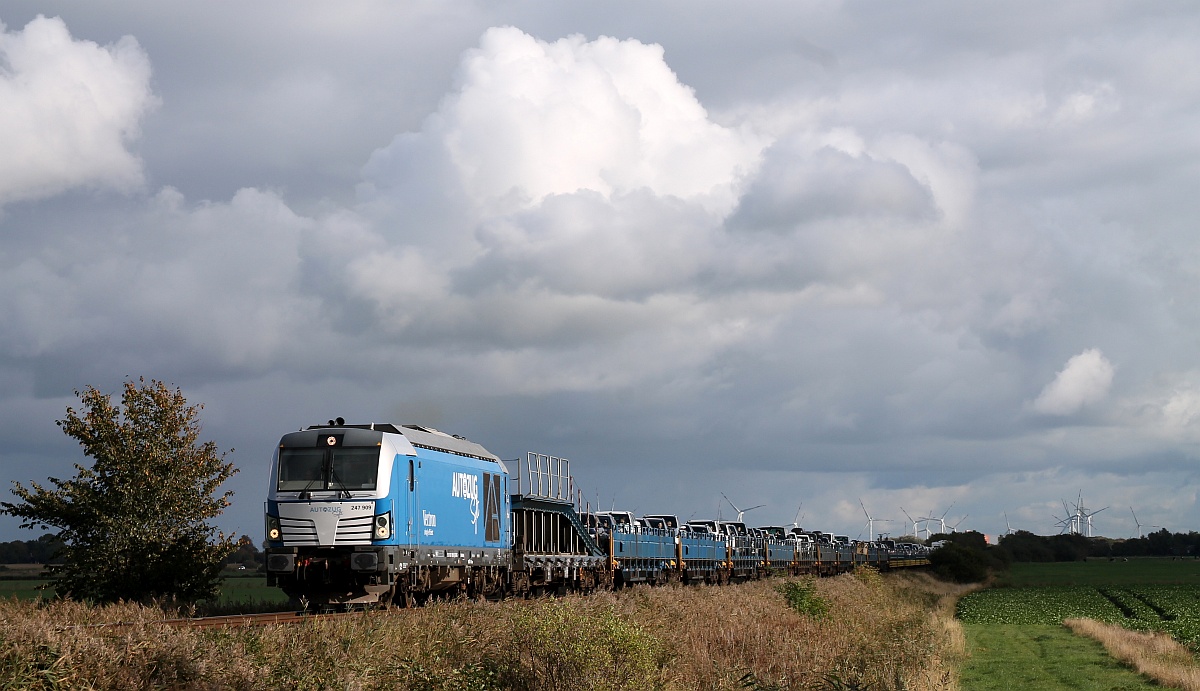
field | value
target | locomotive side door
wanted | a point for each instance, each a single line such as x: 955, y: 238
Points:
x: 411, y: 504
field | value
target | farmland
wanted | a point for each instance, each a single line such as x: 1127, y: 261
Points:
x: 1151, y: 595
x: 238, y: 592
x: 1017, y: 638
x: 1174, y: 609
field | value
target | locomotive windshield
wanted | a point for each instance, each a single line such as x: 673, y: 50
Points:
x: 337, y: 469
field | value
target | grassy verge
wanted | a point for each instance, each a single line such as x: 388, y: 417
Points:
x: 869, y: 632
x: 1154, y: 654
x: 1009, y: 656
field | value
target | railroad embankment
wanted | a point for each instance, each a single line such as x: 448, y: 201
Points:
x: 853, y: 631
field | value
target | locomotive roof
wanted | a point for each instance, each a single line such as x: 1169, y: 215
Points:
x: 427, y: 438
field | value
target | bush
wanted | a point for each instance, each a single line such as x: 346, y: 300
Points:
x: 559, y: 644
x: 960, y: 564
x: 802, y: 597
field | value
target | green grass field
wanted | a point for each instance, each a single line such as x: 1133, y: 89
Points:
x: 24, y: 589
x: 235, y: 590
x: 250, y: 589
x: 1004, y: 657
x: 1015, y: 635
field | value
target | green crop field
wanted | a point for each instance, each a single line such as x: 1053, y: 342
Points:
x: 1139, y: 594
x: 1017, y: 625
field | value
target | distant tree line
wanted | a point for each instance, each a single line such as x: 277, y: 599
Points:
x: 1025, y: 546
x: 45, y: 550
x: 967, y: 557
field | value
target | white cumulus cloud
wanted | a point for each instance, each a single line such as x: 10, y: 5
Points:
x: 67, y: 110
x: 533, y: 118
x: 1085, y: 380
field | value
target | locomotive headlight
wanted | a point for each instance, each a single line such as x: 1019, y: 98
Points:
x: 273, y: 532
x: 383, y: 526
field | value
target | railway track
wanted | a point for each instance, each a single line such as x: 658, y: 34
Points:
x: 241, y: 620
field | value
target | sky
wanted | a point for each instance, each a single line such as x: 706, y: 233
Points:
x: 836, y: 258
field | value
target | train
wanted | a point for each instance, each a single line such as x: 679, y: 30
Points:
x: 385, y: 514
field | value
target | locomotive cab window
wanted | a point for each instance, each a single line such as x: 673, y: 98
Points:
x: 335, y: 469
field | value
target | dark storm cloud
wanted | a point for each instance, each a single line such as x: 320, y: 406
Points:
x: 920, y: 256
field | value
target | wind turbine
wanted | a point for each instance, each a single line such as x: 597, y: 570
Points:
x: 1065, y: 525
x: 1135, y: 520
x: 939, y: 521
x: 954, y: 528
x: 1068, y: 524
x: 1083, y: 516
x: 871, y: 522
x: 1007, y: 526
x: 942, y: 519
x: 1078, y: 518
x: 741, y: 512
x: 799, y: 518
x: 925, y: 521
x: 915, y: 532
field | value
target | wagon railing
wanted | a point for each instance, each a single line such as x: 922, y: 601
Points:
x: 545, y: 477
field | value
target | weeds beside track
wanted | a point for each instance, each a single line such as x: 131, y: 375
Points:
x: 878, y: 632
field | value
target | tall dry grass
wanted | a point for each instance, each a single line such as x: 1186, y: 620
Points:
x: 1152, y: 653
x: 877, y: 632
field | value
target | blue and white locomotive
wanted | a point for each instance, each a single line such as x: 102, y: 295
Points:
x: 367, y: 513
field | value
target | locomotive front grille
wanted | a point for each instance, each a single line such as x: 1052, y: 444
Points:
x: 355, y: 530
x: 349, y: 531
x: 298, y: 531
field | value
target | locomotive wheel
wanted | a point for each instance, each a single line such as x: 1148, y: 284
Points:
x: 605, y: 579
x: 520, y: 584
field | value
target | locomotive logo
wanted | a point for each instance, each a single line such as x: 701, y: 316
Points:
x: 466, y: 486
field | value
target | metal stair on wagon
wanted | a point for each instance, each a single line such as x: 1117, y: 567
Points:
x: 550, y: 543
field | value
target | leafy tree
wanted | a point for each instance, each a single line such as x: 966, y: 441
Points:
x: 134, y: 524
x: 959, y: 563
x: 245, y: 553
x: 1024, y: 546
